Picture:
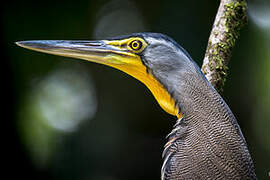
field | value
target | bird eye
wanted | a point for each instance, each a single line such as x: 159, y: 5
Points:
x: 136, y: 45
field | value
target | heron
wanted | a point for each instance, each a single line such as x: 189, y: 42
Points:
x: 206, y: 141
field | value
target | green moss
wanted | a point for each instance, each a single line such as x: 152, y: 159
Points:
x: 236, y: 18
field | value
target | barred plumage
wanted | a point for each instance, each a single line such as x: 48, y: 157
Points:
x: 206, y: 143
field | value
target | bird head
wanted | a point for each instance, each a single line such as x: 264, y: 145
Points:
x: 151, y: 58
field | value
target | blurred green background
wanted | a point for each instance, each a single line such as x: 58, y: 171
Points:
x: 70, y: 119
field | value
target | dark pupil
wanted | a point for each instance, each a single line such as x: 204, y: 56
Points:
x: 136, y: 45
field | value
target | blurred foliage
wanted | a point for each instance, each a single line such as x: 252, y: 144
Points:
x: 70, y: 119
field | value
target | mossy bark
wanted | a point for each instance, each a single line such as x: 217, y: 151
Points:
x: 230, y: 18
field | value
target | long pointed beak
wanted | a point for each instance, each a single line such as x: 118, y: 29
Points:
x: 95, y: 51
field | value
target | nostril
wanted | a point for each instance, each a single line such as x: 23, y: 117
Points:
x: 88, y: 43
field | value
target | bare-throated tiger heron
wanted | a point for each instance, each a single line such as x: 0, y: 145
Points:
x: 206, y: 142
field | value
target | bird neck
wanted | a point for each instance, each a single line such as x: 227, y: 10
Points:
x: 192, y: 92
x: 186, y: 88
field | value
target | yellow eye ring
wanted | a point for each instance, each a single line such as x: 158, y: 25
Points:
x: 136, y: 45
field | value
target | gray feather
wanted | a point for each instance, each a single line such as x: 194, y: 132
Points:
x: 207, y: 142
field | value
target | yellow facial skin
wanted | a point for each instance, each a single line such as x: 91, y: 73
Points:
x: 136, y: 69
x: 120, y: 54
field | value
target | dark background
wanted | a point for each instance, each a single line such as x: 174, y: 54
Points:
x: 71, y: 119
